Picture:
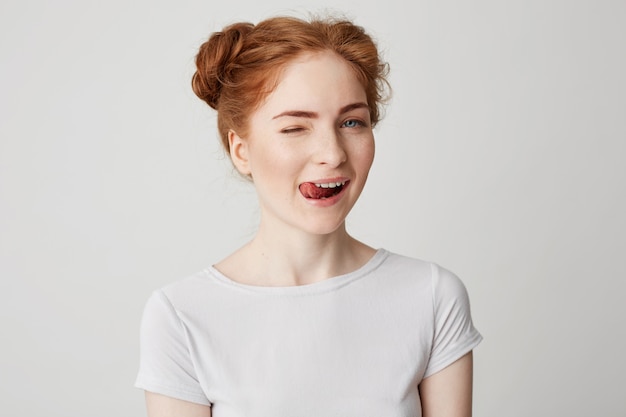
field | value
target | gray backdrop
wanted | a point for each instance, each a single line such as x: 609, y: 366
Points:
x: 501, y: 158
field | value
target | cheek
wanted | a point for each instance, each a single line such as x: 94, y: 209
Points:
x: 272, y: 163
x: 366, y: 155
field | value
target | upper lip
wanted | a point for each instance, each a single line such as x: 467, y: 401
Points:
x: 329, y: 180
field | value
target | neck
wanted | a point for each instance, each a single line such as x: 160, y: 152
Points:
x: 294, y: 257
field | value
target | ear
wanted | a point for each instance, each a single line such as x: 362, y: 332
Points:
x: 239, y: 153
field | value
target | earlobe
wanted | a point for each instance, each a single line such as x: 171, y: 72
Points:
x: 238, y: 148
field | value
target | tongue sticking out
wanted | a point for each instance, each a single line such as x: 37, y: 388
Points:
x: 310, y: 190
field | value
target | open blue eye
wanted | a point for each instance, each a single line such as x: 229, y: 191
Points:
x: 352, y: 123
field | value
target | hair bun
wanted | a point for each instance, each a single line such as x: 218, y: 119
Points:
x: 215, y: 61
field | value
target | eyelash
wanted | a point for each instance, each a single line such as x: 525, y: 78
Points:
x: 292, y: 130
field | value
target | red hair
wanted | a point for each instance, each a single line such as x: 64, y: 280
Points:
x: 239, y: 66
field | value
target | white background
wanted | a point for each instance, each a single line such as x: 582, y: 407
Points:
x: 501, y: 158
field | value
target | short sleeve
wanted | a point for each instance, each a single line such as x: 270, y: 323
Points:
x: 454, y: 332
x: 165, y: 365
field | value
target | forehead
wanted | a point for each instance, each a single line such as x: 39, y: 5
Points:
x: 317, y: 82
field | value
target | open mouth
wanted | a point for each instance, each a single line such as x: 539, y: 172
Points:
x: 321, y: 191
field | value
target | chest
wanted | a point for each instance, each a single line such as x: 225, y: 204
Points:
x: 332, y: 355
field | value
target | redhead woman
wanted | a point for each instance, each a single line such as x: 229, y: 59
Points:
x: 304, y: 320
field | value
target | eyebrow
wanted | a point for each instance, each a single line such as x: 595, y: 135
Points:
x: 314, y: 115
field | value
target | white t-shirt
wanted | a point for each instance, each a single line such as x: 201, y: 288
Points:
x: 350, y: 346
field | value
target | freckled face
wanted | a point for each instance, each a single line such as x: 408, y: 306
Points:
x: 310, y: 145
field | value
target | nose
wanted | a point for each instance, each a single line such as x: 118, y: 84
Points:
x: 330, y: 149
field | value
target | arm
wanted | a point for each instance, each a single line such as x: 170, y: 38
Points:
x: 161, y: 406
x: 166, y: 365
x: 448, y: 393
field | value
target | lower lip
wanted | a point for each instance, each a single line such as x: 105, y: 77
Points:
x: 330, y: 201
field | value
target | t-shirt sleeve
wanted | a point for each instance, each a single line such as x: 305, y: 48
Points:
x: 454, y: 334
x: 165, y: 365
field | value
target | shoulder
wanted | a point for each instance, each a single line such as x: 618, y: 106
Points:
x: 445, y: 281
x: 184, y: 294
x: 419, y: 268
x: 405, y: 265
x: 441, y: 281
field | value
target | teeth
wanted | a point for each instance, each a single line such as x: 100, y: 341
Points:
x: 330, y: 185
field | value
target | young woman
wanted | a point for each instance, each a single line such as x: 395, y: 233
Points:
x: 304, y: 320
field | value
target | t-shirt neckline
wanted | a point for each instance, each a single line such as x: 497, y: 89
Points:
x: 329, y: 284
